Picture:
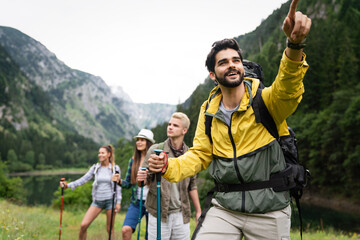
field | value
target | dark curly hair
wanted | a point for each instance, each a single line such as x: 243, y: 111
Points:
x: 217, y: 47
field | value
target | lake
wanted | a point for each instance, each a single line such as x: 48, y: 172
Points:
x: 40, y: 189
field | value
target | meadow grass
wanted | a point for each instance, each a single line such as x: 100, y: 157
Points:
x: 39, y: 222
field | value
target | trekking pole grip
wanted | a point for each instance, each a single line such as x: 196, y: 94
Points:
x: 142, y: 182
x: 158, y: 175
x: 62, y: 185
x: 116, y: 172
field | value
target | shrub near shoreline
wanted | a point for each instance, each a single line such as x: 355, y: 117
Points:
x: 23, y: 222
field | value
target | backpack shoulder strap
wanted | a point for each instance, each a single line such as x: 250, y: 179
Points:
x: 208, y: 122
x: 97, y: 166
x: 208, y: 118
x: 262, y: 114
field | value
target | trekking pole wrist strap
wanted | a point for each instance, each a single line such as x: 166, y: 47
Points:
x: 163, y: 170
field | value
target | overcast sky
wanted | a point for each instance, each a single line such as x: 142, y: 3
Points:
x: 154, y: 49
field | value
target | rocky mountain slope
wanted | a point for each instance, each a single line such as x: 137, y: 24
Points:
x: 77, y: 100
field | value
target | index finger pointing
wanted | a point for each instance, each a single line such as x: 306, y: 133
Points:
x: 292, y: 9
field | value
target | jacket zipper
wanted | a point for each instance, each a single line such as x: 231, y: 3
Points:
x: 236, y: 166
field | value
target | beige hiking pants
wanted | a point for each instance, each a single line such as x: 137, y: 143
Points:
x: 173, y: 229
x: 221, y: 223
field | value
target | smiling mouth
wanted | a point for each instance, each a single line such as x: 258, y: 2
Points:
x: 232, y: 73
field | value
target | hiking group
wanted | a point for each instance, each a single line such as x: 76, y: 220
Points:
x: 252, y: 176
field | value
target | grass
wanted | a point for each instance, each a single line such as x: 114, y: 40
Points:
x: 22, y: 222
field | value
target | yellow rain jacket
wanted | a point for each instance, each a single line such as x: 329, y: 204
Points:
x: 244, y: 152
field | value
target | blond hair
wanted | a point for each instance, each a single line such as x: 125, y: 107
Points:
x: 184, y: 119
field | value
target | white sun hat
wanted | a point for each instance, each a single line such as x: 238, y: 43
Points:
x: 147, y: 134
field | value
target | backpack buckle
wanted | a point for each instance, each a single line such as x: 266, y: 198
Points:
x: 222, y: 187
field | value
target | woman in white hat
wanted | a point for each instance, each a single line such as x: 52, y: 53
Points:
x: 144, y: 140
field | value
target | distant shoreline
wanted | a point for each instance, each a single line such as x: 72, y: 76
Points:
x: 48, y: 172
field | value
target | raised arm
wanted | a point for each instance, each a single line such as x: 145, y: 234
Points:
x: 84, y: 179
x: 296, y: 27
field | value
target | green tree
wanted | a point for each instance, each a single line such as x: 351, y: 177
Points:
x: 14, y: 164
x: 30, y: 158
x: 12, y: 160
x: 41, y: 159
x: 10, y: 188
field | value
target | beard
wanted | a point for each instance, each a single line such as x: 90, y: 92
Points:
x: 229, y: 84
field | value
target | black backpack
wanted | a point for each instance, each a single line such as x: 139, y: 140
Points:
x: 293, y: 178
x: 299, y: 175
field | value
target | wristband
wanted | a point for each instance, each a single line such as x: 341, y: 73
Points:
x: 296, y: 46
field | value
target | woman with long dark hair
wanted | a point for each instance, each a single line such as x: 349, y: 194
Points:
x: 143, y: 142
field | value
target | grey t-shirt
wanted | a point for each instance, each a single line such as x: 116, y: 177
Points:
x: 227, y: 113
x: 175, y: 203
x: 103, y: 189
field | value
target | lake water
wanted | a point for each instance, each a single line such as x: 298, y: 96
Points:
x: 40, y: 190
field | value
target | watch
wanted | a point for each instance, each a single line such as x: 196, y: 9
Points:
x: 296, y: 46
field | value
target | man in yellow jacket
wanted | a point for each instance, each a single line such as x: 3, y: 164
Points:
x: 242, y: 151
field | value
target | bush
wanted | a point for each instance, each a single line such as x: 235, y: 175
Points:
x: 79, y: 199
x: 10, y: 188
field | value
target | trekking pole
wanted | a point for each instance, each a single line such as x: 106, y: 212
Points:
x: 112, y: 208
x: 61, y: 205
x: 140, y: 211
x: 158, y: 185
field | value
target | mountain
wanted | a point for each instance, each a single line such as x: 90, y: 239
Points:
x: 30, y: 136
x: 78, y: 100
x: 53, y: 116
x: 146, y: 115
